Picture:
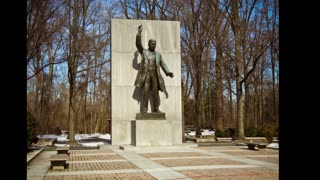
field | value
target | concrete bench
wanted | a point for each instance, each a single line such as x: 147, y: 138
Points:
x: 63, y: 150
x: 59, y: 160
x: 46, y: 141
x: 256, y: 139
x: 205, y: 140
x: 252, y: 145
x: 224, y: 139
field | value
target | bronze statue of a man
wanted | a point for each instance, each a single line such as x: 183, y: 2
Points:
x: 149, y: 76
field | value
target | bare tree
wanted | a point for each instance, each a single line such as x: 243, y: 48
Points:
x: 82, y: 48
x: 250, y: 46
x: 220, y: 28
x: 272, y: 24
x: 236, y: 30
x: 43, y: 21
x: 195, y: 40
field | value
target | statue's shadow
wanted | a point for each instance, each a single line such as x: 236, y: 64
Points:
x: 137, y: 93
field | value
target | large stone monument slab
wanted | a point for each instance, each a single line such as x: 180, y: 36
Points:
x: 129, y: 126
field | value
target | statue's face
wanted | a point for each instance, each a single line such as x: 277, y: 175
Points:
x: 152, y: 45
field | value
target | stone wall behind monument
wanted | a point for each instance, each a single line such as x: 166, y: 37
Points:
x: 125, y: 96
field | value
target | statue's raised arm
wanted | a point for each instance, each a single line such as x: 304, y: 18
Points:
x: 138, y: 40
x: 140, y: 29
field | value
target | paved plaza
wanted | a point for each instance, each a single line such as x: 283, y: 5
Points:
x: 200, y: 163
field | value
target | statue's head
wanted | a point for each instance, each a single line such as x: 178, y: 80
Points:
x: 152, y: 44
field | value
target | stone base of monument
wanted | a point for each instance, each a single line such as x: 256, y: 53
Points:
x: 151, y: 116
x: 152, y: 132
x: 152, y: 129
x: 175, y: 146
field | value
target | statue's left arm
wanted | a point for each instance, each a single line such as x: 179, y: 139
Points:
x: 165, y: 68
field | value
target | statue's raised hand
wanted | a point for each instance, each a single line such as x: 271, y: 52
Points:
x: 170, y: 74
x: 140, y: 28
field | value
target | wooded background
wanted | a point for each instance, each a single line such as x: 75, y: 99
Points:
x: 229, y: 52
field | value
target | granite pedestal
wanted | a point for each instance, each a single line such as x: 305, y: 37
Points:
x: 152, y: 129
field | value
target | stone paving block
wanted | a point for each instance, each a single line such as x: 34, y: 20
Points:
x: 243, y: 158
x: 250, y: 152
x: 233, y: 174
x: 95, y: 157
x: 39, y: 170
x: 99, y: 166
x: 58, y: 167
x: 53, y: 178
x: 197, y: 162
x: 223, y: 148
x: 116, y: 176
x: 172, y: 154
x: 34, y: 177
x: 93, y: 151
x: 274, y: 160
x: 152, y: 167
x: 33, y: 153
x: 42, y: 158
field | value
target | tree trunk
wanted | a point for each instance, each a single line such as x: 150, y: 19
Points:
x: 182, y: 109
x: 99, y: 118
x: 209, y: 103
x: 247, y: 117
x: 50, y: 86
x: 236, y: 31
x: 203, y: 110
x: 198, y: 97
x: 42, y: 107
x: 254, y: 116
x: 261, y: 98
x: 71, y: 118
x: 231, y: 119
x: 219, y: 93
x: 275, y: 105
x: 38, y: 84
x: 72, y: 67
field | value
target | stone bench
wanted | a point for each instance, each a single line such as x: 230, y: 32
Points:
x: 63, y: 150
x: 46, y: 141
x: 252, y: 145
x: 256, y: 139
x: 205, y: 139
x: 59, y: 161
x: 275, y: 140
x: 224, y: 139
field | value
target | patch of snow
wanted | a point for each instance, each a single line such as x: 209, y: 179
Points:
x: 95, y: 144
x: 105, y: 136
x: 205, y: 132
x: 78, y: 137
x: 62, y: 137
x: 48, y: 136
x: 273, y: 145
x: 61, y: 145
x: 64, y: 131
